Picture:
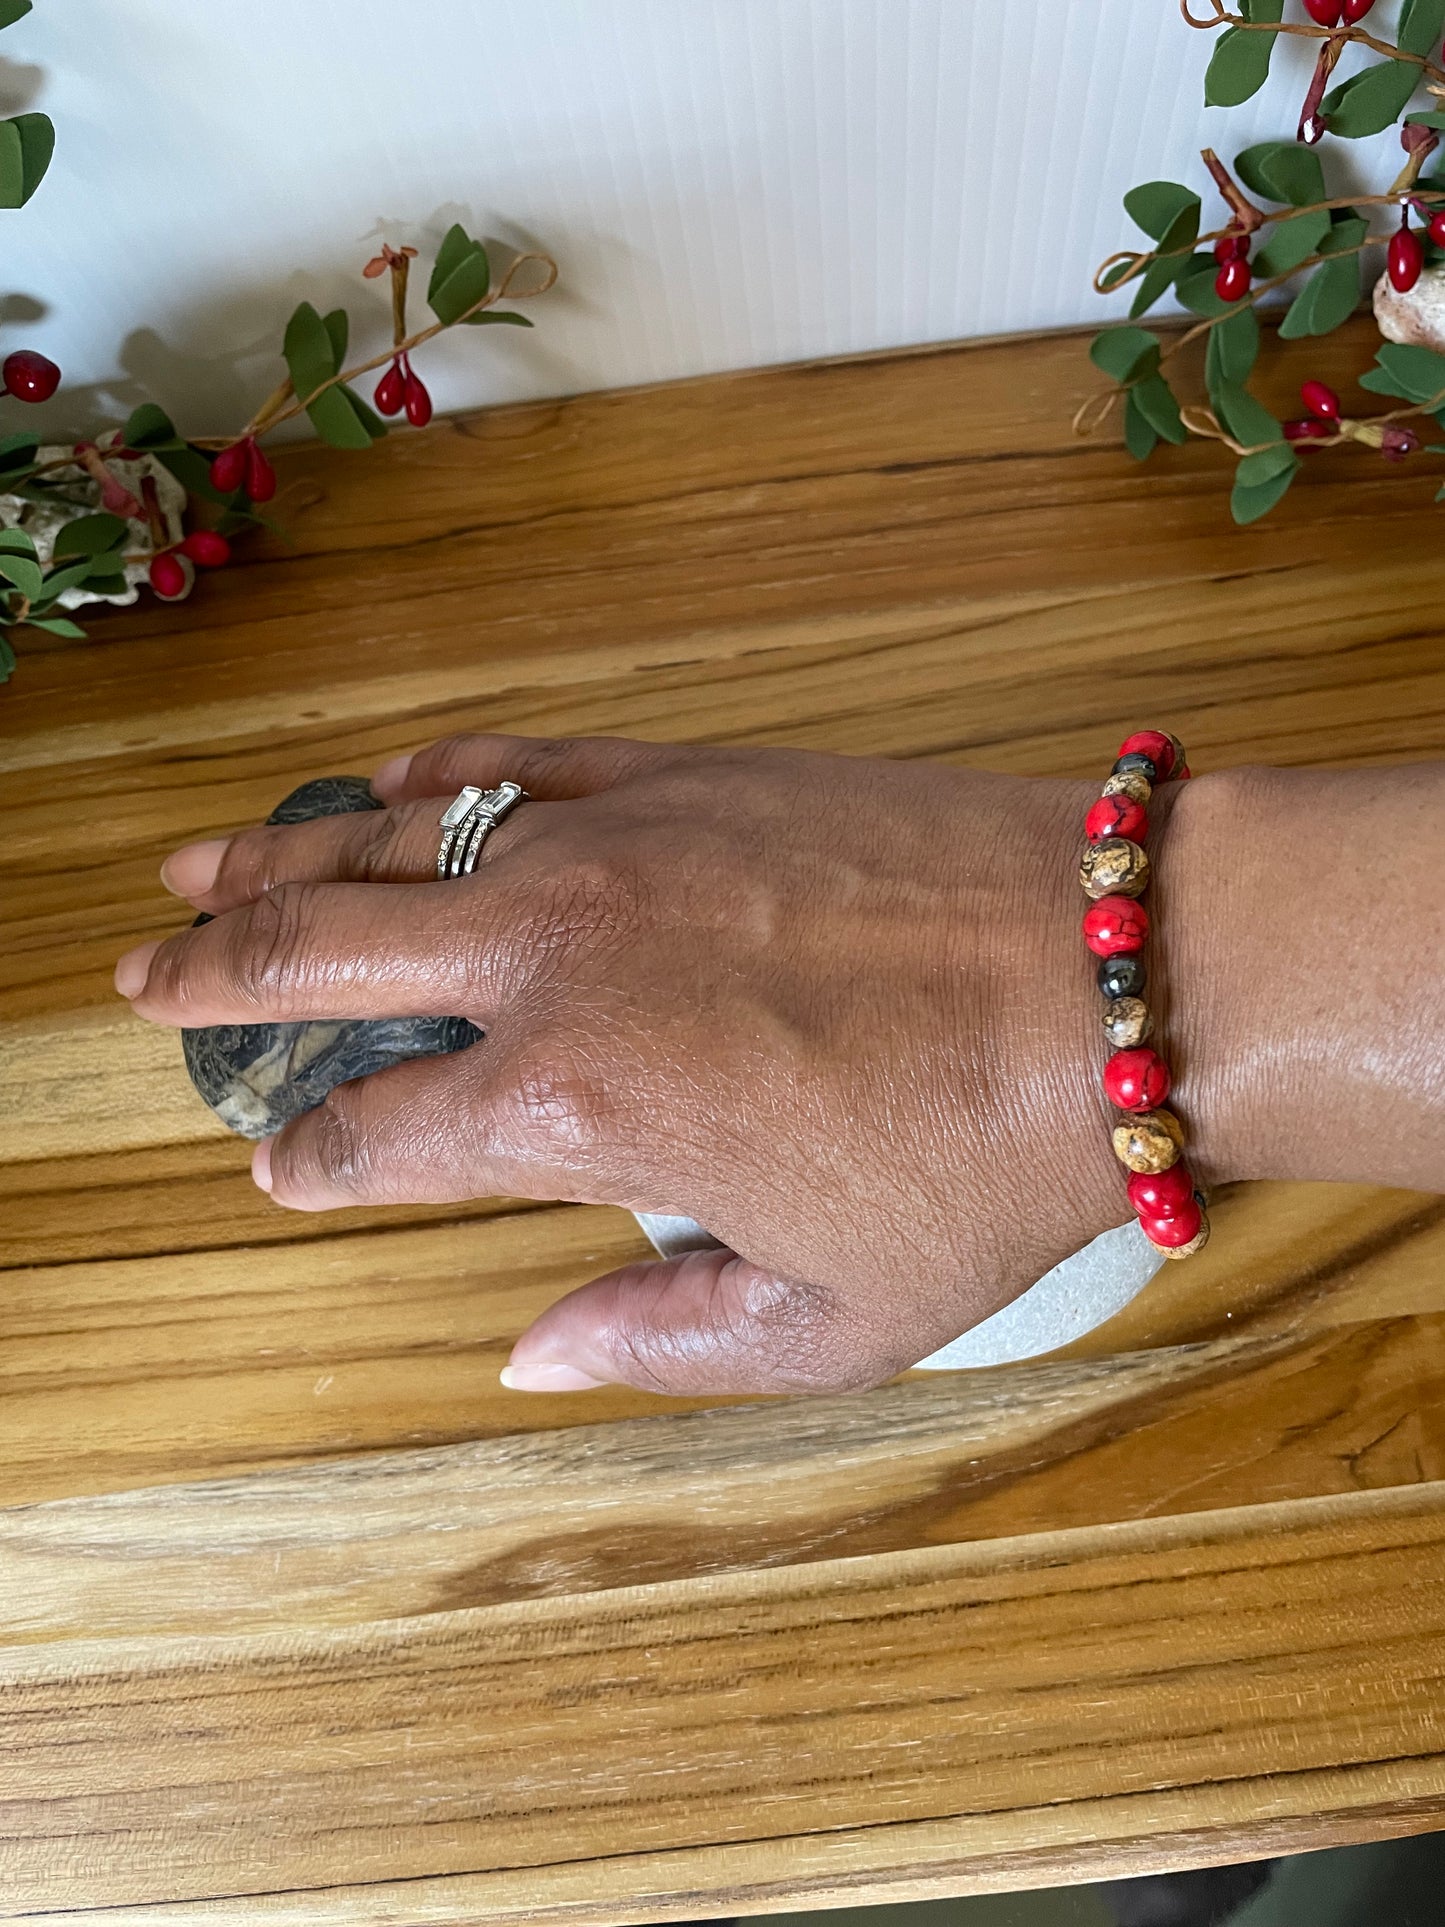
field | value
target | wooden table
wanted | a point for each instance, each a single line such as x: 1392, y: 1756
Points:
x: 304, y: 1620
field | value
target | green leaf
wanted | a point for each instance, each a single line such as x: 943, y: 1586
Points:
x: 1157, y: 405
x: 1347, y: 231
x: 1265, y: 464
x: 24, y: 573
x: 26, y: 144
x: 1248, y: 502
x: 1233, y: 347
x: 1421, y: 24
x: 106, y: 582
x: 489, y: 316
x: 1158, y: 206
x: 367, y: 416
x: 1113, y: 275
x: 1248, y: 420
x: 13, y: 10
x: 336, y: 422
x: 1262, y: 10
x: 18, y: 451
x: 57, y: 581
x: 1437, y: 121
x: 456, y: 245
x: 149, y: 427
x: 1238, y: 67
x: 1195, y: 288
x: 7, y: 659
x: 1371, y: 100
x: 16, y: 542
x: 57, y: 626
x: 1291, y: 242
x: 1327, y: 299
x: 90, y: 535
x: 338, y: 327
x: 1125, y: 353
x: 1415, y: 374
x: 1282, y: 171
x: 1156, y: 279
x: 1140, y: 437
x: 463, y: 287
x: 307, y: 348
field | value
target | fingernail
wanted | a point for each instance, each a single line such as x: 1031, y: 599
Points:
x: 391, y: 775
x: 191, y: 871
x: 548, y: 1378
x: 261, y: 1163
x: 133, y: 969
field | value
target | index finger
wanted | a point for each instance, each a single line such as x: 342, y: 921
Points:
x: 553, y: 768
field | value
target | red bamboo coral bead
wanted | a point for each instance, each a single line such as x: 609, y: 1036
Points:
x: 1172, y: 1232
x: 1161, y: 1194
x: 1115, y: 927
x: 1116, y: 816
x: 1154, y: 744
x: 1136, y: 1080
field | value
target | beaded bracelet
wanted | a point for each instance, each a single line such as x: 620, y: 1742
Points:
x: 1114, y: 872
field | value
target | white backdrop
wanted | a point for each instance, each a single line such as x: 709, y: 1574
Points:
x: 725, y: 182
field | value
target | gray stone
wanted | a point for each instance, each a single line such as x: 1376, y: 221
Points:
x: 257, y: 1077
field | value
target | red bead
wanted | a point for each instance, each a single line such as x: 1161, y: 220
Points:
x: 1232, y: 281
x: 1320, y: 400
x: 1404, y: 258
x: 1115, y: 927
x: 391, y: 391
x: 207, y: 549
x: 418, y: 401
x: 1154, y: 744
x: 168, y: 576
x: 1136, y: 1080
x: 1161, y: 1194
x: 1173, y: 1232
x: 1324, y: 13
x: 228, y: 470
x: 1116, y: 816
x: 260, y: 476
x: 29, y: 376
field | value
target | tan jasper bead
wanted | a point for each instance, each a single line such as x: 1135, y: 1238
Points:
x: 1127, y: 1022
x: 1114, y: 868
x: 1196, y: 1243
x: 1150, y: 1142
x: 1130, y: 783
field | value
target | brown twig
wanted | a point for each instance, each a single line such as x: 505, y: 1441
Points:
x: 1222, y: 17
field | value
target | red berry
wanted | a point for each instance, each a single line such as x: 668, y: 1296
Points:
x: 1161, y: 1194
x: 1436, y: 229
x: 169, y: 577
x: 260, y: 476
x: 1324, y: 13
x: 1320, y: 400
x: 1116, y: 816
x: 1398, y: 442
x: 29, y: 376
x: 228, y: 470
x: 1173, y: 1232
x: 1231, y: 247
x: 1313, y: 430
x: 206, y: 549
x: 1356, y: 10
x: 391, y: 391
x: 418, y: 401
x: 1115, y: 927
x: 1232, y: 281
x: 1136, y: 1080
x: 1154, y: 744
x: 1405, y: 258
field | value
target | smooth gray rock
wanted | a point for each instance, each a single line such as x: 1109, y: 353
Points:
x: 257, y: 1077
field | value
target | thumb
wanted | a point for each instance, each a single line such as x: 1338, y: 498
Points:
x: 708, y: 1321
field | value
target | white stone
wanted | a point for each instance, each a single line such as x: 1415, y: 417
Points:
x: 71, y: 493
x: 1416, y: 319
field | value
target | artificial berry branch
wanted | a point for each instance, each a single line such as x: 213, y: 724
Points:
x: 1284, y: 230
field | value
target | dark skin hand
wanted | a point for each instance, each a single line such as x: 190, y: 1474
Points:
x: 838, y: 1010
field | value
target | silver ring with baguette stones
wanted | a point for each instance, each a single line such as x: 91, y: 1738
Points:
x: 466, y: 822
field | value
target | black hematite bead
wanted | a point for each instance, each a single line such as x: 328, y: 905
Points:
x: 257, y: 1077
x: 1136, y: 760
x: 1121, y: 977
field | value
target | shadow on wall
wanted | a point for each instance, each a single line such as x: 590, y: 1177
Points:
x: 214, y: 391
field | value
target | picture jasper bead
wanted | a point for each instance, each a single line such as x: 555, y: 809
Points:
x: 1196, y: 1243
x: 1122, y: 976
x: 1116, y: 816
x: 1116, y: 867
x: 1129, y: 782
x: 1127, y: 1021
x: 1137, y: 762
x: 1136, y: 1080
x: 1115, y: 926
x: 1150, y: 1142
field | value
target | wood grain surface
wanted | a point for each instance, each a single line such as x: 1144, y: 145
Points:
x: 303, y: 1618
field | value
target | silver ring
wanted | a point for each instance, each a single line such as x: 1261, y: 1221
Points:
x: 466, y: 821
